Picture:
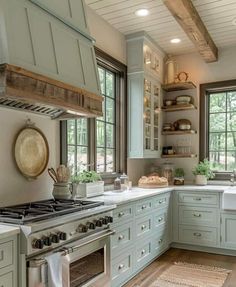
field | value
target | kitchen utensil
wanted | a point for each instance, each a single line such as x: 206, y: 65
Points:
x: 63, y: 173
x: 52, y: 174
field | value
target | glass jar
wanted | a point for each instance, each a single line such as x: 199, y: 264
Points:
x: 168, y: 171
x: 124, y: 179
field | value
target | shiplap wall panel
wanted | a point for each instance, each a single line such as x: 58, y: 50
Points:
x: 217, y: 15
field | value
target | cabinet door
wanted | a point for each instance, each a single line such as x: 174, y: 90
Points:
x: 6, y: 280
x: 228, y: 231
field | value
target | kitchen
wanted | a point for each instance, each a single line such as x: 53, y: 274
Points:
x: 16, y: 189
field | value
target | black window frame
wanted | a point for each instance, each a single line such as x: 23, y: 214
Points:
x: 205, y: 90
x: 106, y: 61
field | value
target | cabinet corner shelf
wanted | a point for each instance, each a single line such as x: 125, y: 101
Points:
x: 169, y: 133
x: 179, y: 155
x: 178, y: 86
x: 175, y: 108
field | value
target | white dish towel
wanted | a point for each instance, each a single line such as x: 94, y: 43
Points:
x: 54, y: 270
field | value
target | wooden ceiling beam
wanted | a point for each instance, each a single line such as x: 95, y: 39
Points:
x: 187, y: 16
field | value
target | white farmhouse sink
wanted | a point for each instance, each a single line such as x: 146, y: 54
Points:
x: 229, y: 198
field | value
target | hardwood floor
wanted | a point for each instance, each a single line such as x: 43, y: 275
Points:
x: 150, y: 273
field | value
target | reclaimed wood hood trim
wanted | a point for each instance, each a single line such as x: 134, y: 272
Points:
x: 31, y: 89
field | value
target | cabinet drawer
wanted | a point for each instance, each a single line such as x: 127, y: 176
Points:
x: 160, y: 219
x: 6, y: 254
x: 199, y: 198
x: 143, y: 253
x: 198, y: 235
x: 6, y: 280
x: 122, y: 267
x: 143, y: 207
x: 197, y: 215
x: 123, y: 213
x: 159, y: 243
x: 143, y: 226
x: 122, y: 237
x: 161, y: 201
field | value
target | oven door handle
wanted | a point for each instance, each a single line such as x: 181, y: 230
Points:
x: 76, y: 247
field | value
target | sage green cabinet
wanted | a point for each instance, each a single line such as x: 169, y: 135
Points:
x: 8, y: 262
x: 228, y: 230
x: 145, y: 64
x: 142, y: 232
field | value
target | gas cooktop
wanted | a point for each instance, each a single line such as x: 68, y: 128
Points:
x: 42, y: 210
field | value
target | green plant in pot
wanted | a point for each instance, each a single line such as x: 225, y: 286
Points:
x: 87, y: 184
x: 203, y: 172
x: 179, y: 176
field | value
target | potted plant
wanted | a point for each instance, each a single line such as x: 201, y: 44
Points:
x: 203, y: 172
x: 87, y: 184
x: 179, y: 176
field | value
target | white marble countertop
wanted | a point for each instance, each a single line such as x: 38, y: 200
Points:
x: 136, y: 193
x: 7, y: 231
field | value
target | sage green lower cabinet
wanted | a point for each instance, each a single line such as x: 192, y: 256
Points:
x: 8, y: 262
x: 196, y: 218
x: 228, y: 230
x: 142, y: 233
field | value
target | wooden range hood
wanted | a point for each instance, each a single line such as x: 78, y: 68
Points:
x: 25, y: 90
x: 47, y: 59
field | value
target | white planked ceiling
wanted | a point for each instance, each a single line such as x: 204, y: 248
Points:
x: 217, y: 15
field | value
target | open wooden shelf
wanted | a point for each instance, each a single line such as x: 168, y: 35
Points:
x: 179, y: 155
x: 175, y: 108
x: 169, y: 133
x: 178, y: 86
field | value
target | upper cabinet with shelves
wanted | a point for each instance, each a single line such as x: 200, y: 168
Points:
x: 143, y: 55
x: 145, y: 64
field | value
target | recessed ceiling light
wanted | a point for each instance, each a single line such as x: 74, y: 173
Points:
x: 141, y: 12
x: 175, y: 40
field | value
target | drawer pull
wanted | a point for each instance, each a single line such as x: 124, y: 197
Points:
x: 121, y: 237
x: 143, y: 251
x: 121, y: 266
x: 161, y: 201
x: 160, y: 219
x: 160, y: 241
x: 121, y: 214
x: 1, y: 255
x: 198, y: 198
x: 144, y: 206
x: 197, y: 234
x: 197, y: 215
x: 143, y: 226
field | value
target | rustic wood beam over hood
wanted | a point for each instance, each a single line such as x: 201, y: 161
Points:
x: 187, y: 16
x: 22, y: 89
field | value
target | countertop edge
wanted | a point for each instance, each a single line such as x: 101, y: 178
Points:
x: 8, y: 231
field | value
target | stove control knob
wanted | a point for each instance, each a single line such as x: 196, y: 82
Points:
x: 47, y: 241
x: 91, y: 225
x: 104, y: 220
x: 82, y: 228
x: 110, y: 219
x: 55, y: 238
x: 62, y: 235
x: 38, y: 244
x: 98, y: 223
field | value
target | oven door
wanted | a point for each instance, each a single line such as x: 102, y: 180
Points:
x: 88, y: 265
x: 85, y: 263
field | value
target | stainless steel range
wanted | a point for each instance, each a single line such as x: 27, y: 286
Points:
x: 77, y: 230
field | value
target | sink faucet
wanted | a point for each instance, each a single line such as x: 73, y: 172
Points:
x: 233, y: 177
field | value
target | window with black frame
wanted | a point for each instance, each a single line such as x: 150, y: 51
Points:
x: 218, y: 127
x: 100, y: 144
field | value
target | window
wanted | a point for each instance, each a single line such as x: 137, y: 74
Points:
x: 100, y: 144
x: 218, y: 126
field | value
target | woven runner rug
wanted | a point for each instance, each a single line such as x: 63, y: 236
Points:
x: 183, y: 274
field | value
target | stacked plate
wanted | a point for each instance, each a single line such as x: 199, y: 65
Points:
x: 183, y: 100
